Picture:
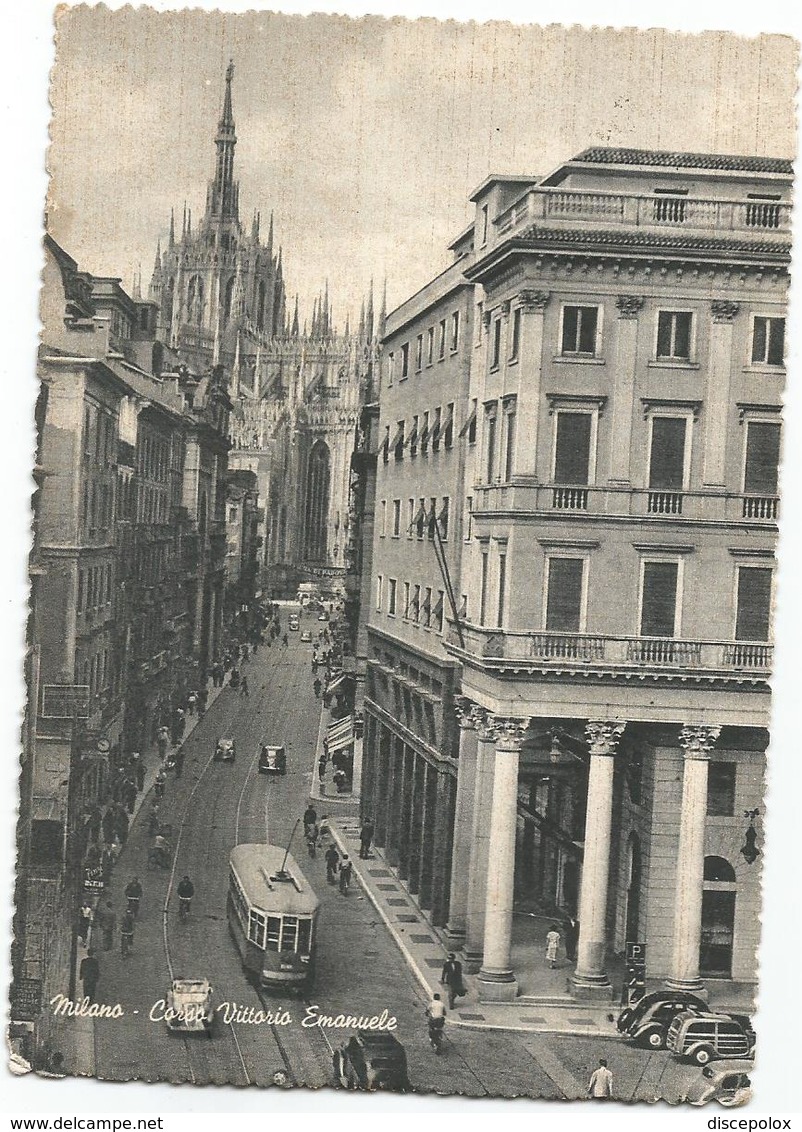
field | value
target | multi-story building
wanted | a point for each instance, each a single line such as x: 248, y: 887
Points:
x: 242, y: 530
x: 615, y: 647
x: 411, y: 742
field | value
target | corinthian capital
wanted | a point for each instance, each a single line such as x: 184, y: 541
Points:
x: 698, y: 741
x: 603, y: 737
x: 629, y: 305
x: 724, y: 310
x: 463, y: 710
x: 509, y: 733
x: 532, y: 300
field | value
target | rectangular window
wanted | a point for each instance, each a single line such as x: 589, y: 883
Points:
x: 398, y: 441
x: 509, y: 446
x: 495, y: 357
x: 420, y: 521
x: 410, y: 517
x: 753, y: 616
x: 390, y: 367
x: 674, y: 335
x: 477, y: 329
x: 483, y: 590
x: 391, y: 597
x: 383, y: 525
x: 502, y: 588
x: 396, y: 518
x: 472, y: 421
x: 484, y: 224
x: 720, y: 790
x: 448, y: 426
x: 667, y: 456
x: 579, y: 330
x: 442, y: 518
x: 424, y: 436
x: 490, y: 450
x: 768, y: 341
x: 762, y: 458
x: 432, y: 517
x: 564, y: 595
x: 419, y: 353
x: 430, y: 346
x: 572, y: 448
x: 436, y: 429
x: 441, y: 342
x: 437, y: 612
x: 426, y: 612
x: 386, y: 444
x: 406, y: 600
x: 413, y: 438
x: 468, y: 517
x: 658, y: 616
x: 405, y: 360
x: 415, y: 613
x: 454, y: 331
x: 515, y: 337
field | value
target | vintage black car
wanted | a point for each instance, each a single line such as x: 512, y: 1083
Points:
x: 374, y: 1061
x: 225, y: 751
x: 646, y: 1022
x: 272, y: 760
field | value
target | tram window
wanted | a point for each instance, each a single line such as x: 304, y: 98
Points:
x: 256, y: 929
x: 304, y: 936
x: 273, y: 930
x: 289, y: 934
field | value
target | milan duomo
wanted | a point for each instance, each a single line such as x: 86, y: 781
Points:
x: 463, y: 608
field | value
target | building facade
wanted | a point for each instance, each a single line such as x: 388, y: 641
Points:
x: 627, y: 372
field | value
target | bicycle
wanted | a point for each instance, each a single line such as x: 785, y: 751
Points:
x: 184, y: 903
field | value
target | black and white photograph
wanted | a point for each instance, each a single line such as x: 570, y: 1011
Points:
x: 408, y: 411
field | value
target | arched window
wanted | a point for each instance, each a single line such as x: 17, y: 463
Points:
x: 260, y: 305
x: 717, y: 868
x: 318, y: 483
x: 228, y: 297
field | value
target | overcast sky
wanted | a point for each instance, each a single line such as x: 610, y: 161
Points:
x: 367, y: 136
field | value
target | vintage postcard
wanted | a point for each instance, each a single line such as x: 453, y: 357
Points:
x: 404, y: 556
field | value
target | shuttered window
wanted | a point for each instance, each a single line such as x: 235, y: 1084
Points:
x: 667, y: 457
x: 762, y: 458
x: 754, y: 603
x: 659, y: 599
x: 491, y: 446
x: 572, y: 457
x: 674, y: 334
x: 564, y: 596
x: 768, y: 341
x: 579, y: 330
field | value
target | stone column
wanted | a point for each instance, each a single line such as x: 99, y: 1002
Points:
x: 496, y: 981
x: 697, y: 743
x: 382, y: 777
x: 590, y: 977
x: 461, y: 846
x: 717, y: 395
x: 626, y: 358
x: 443, y: 841
x: 530, y: 372
x: 396, y: 763
x: 480, y: 840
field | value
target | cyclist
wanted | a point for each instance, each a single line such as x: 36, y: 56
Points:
x: 345, y: 874
x: 133, y: 894
x: 186, y: 890
x: 127, y: 934
x: 436, y: 1015
x: 161, y: 850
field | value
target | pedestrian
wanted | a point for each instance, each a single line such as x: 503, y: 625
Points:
x: 339, y: 779
x: 571, y: 935
x: 89, y: 973
x: 243, y: 688
x: 84, y: 921
x: 192, y: 702
x: 451, y: 977
x: 365, y: 838
x: 600, y: 1086
x: 321, y: 766
x: 107, y: 922
x: 162, y: 740
x: 332, y: 859
x: 345, y: 874
x: 133, y: 894
x: 310, y: 815
x: 158, y: 785
x: 552, y: 943
x: 178, y: 761
x: 127, y: 934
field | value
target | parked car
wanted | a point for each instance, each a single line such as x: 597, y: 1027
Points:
x: 727, y: 1082
x: 295, y: 623
x: 225, y: 751
x: 190, y: 1009
x: 646, y: 1022
x: 306, y: 637
x: 709, y: 1037
x: 373, y: 1061
x: 272, y: 760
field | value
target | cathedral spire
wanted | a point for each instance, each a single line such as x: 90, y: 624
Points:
x: 369, y: 314
x: 294, y: 330
x: 270, y: 239
x: 172, y: 228
x: 157, y: 265
x: 224, y: 196
x: 383, y: 312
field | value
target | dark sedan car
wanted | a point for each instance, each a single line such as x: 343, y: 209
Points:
x: 272, y: 760
x: 646, y: 1022
x: 372, y: 1061
x: 225, y: 751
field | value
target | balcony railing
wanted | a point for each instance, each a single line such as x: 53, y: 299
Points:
x: 709, y: 506
x: 576, y: 206
x: 595, y: 651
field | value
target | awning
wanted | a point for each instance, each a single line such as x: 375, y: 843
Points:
x: 336, y: 683
x: 341, y: 734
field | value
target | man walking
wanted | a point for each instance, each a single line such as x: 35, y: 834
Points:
x: 600, y: 1086
x: 571, y: 934
x: 89, y: 973
x: 332, y: 859
x: 451, y: 977
x: 365, y: 838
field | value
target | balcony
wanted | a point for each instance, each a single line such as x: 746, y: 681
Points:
x: 611, y: 655
x: 643, y: 211
x: 529, y: 497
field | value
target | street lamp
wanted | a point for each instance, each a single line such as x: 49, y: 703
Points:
x: 749, y: 850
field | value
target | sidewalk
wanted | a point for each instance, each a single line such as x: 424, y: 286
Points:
x: 425, y: 951
x: 82, y: 1030
x: 324, y: 790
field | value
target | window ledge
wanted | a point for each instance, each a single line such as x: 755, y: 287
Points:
x: 672, y: 363
x: 765, y: 368
x: 512, y: 361
x: 578, y: 360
